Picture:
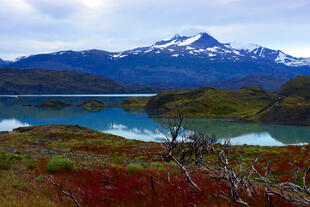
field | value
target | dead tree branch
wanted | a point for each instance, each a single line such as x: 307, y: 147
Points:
x: 68, y: 193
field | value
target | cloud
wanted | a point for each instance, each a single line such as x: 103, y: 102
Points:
x: 34, y: 26
x: 10, y: 124
x: 56, y: 8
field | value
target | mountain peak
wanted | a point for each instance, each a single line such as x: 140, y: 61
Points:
x: 176, y: 36
x: 200, y: 40
x: 205, y: 41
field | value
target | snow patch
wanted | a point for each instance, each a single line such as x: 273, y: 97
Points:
x: 236, y: 52
x: 190, y: 40
x: 243, y: 46
x: 117, y: 56
x: 150, y: 50
x: 165, y: 45
x: 213, y: 49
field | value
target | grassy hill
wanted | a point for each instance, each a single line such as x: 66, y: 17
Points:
x: 15, y: 81
x: 210, y: 102
x: 288, y: 110
x: 290, y: 105
x: 299, y: 86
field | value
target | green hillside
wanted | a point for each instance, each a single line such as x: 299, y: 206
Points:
x: 299, y: 86
x: 290, y: 105
x: 209, y: 102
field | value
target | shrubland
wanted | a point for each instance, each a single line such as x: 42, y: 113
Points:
x: 68, y: 165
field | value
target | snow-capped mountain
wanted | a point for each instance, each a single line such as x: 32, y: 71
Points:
x: 203, y: 45
x: 2, y: 61
x: 181, y: 60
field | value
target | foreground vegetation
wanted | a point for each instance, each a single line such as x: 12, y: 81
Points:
x: 68, y: 165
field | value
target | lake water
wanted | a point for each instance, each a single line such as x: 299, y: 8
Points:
x: 134, y: 123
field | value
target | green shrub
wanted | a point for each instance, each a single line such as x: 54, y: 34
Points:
x: 134, y: 167
x: 157, y: 165
x: 6, y: 160
x: 30, y: 163
x: 58, y: 163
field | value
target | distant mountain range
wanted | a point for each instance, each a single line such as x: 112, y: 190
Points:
x: 16, y: 82
x: 181, y: 60
x: 266, y: 82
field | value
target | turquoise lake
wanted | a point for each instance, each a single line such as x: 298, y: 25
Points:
x: 134, y: 123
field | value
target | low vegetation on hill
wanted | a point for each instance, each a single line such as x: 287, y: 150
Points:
x: 299, y: 86
x: 290, y: 105
x: 210, y: 102
x: 69, y: 165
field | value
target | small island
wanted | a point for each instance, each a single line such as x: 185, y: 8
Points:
x: 52, y: 103
x: 92, y: 103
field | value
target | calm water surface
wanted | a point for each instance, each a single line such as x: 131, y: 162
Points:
x: 134, y: 123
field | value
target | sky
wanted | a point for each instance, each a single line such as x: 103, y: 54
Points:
x: 42, y: 26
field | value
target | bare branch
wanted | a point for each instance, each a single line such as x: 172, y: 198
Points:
x: 68, y: 193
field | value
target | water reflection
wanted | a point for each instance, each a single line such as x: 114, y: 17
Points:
x: 134, y: 123
x: 262, y: 139
x: 135, y: 133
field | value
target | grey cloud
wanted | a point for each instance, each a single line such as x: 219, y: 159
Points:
x: 122, y: 24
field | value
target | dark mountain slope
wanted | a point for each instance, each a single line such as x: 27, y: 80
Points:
x: 266, y: 82
x: 15, y: 81
x: 2, y: 62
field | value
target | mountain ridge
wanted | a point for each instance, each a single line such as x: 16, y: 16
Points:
x: 35, y: 81
x: 192, y: 60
